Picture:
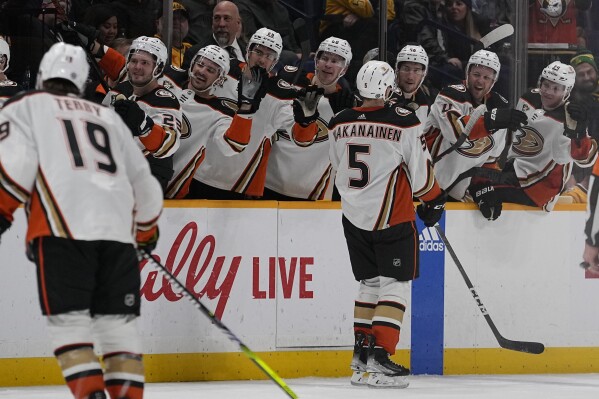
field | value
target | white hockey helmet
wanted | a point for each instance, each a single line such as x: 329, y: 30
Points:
x: 413, y: 53
x: 485, y: 58
x: 376, y: 80
x: 4, y: 52
x: 336, y: 46
x: 267, y: 38
x: 217, y: 55
x: 559, y: 73
x: 64, y: 61
x: 155, y: 47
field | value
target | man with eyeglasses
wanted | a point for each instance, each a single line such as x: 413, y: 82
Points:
x: 303, y: 171
x: 243, y: 176
x: 462, y: 160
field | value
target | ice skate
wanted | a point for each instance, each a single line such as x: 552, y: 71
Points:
x: 382, y: 371
x: 358, y: 363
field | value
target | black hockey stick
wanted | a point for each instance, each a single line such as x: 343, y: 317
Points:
x: 519, y: 346
x: 249, y: 353
x: 301, y: 33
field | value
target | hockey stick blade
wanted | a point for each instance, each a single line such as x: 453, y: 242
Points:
x: 476, y: 114
x: 519, y: 346
x: 497, y: 34
x: 248, y: 352
x: 301, y: 33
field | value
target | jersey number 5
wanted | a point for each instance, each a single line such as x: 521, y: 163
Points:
x: 98, y: 138
x: 354, y: 150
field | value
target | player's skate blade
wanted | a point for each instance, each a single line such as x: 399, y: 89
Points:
x: 380, y: 380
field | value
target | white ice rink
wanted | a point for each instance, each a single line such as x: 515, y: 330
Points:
x: 547, y: 386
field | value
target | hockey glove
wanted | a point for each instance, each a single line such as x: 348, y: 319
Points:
x: 147, y: 240
x: 575, y: 125
x: 504, y: 118
x: 305, y: 106
x: 487, y: 200
x: 133, y: 116
x: 341, y: 100
x: 4, y: 224
x: 251, y: 89
x: 430, y: 212
x: 87, y: 34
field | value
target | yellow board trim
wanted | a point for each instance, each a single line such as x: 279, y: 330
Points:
x: 325, y: 363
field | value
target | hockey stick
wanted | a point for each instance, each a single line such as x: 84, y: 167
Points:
x: 519, y: 346
x: 474, y: 117
x: 248, y: 352
x: 301, y: 32
x: 497, y: 34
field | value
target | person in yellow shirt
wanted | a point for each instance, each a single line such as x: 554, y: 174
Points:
x: 180, y: 31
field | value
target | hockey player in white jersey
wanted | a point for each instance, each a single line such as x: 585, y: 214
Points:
x: 303, y: 170
x: 456, y: 152
x: 382, y: 163
x: 152, y: 112
x: 86, y: 187
x: 208, y: 119
x: 542, y: 153
x: 8, y: 88
x: 411, y: 67
x: 243, y: 176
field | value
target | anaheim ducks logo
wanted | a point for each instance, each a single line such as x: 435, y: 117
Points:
x: 323, y: 131
x: 476, y: 148
x: 555, y: 10
x: 527, y: 142
x: 185, y: 128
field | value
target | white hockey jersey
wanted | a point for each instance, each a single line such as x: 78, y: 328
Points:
x: 206, y: 122
x: 75, y: 165
x: 543, y: 156
x: 382, y: 162
x: 448, y: 117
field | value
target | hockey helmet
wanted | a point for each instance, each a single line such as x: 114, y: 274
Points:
x: 155, y: 47
x: 217, y: 55
x: 413, y: 53
x: 376, y: 80
x: 559, y: 73
x: 4, y: 52
x: 64, y: 61
x: 267, y: 38
x: 336, y: 46
x: 485, y: 58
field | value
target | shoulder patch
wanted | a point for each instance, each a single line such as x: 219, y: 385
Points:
x: 167, y: 84
x: 460, y: 88
x: 8, y: 83
x: 165, y: 93
x: 283, y: 84
x: 402, y: 111
x: 290, y: 68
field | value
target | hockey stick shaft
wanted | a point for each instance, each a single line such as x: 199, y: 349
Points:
x: 519, y: 346
x: 244, y: 348
x: 496, y: 35
x: 476, y: 114
x: 301, y: 32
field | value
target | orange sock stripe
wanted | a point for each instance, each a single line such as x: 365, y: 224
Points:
x: 84, y: 383
x: 125, y: 389
x: 387, y: 336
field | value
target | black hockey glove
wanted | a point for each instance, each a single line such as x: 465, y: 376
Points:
x: 504, y: 118
x: 4, y: 224
x: 87, y: 34
x: 430, y: 212
x: 148, y: 244
x: 305, y: 106
x: 487, y: 200
x: 133, y: 116
x: 251, y: 89
x: 576, y: 122
x: 341, y: 100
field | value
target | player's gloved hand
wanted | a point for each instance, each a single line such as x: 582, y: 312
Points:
x: 430, y: 212
x: 87, y: 34
x: 4, y: 224
x: 147, y: 240
x: 305, y: 106
x: 342, y: 99
x: 576, y: 122
x: 251, y: 89
x: 487, y: 200
x: 133, y: 116
x: 504, y: 118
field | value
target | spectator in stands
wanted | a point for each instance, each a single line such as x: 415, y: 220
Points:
x: 200, y: 18
x: 226, y: 24
x: 104, y: 18
x: 256, y: 14
x: 138, y: 17
x: 180, y: 29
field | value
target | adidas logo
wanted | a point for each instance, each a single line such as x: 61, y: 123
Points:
x: 430, y: 240
x: 362, y: 116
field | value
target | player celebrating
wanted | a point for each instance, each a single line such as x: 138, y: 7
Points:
x: 85, y: 185
x: 382, y: 162
x: 303, y: 170
x: 207, y: 118
x: 457, y: 152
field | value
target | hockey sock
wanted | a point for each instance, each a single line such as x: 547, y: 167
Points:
x: 389, y: 312
x: 124, y: 375
x: 81, y: 369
